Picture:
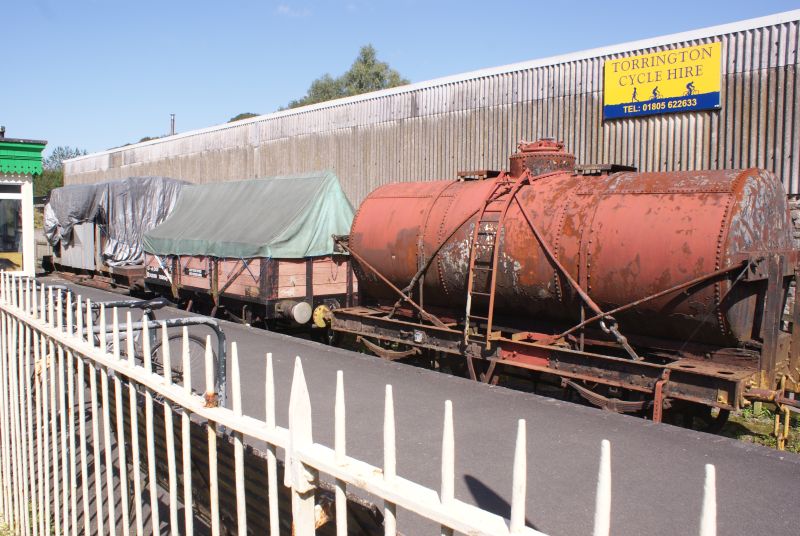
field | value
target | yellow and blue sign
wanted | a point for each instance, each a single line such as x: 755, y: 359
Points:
x: 680, y: 80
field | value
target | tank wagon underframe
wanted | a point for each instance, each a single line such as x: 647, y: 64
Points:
x: 722, y: 378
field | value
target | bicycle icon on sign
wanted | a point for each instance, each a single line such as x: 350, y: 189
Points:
x: 656, y: 94
x: 690, y: 90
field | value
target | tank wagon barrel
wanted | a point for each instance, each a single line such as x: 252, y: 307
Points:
x: 661, y: 286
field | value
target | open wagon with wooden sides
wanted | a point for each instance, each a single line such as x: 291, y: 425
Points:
x: 260, y: 250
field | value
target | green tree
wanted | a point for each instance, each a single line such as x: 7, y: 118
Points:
x: 365, y: 75
x: 49, y: 179
x: 59, y: 154
x: 245, y: 115
x: 53, y: 174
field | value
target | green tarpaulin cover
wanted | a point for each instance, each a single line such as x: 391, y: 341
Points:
x: 280, y: 217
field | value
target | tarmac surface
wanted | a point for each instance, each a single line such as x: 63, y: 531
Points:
x: 657, y: 469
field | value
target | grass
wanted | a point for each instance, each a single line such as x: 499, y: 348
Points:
x: 756, y: 426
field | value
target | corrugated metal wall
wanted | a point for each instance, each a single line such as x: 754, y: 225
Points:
x: 432, y: 130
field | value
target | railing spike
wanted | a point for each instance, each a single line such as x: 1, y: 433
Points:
x: 166, y: 359
x: 340, y: 449
x: 79, y: 316
x: 389, y: 461
x: 103, y: 334
x: 300, y: 436
x: 519, y: 480
x: 34, y: 300
x: 272, y: 463
x: 339, y: 417
x: 270, y: 393
x: 448, y: 455
x: 50, y: 306
x: 89, y: 322
x: 299, y: 421
x: 115, y: 332
x: 236, y: 386
x: 129, y: 339
x: 60, y: 312
x: 602, y: 509
x: 389, y: 453
x: 209, y: 368
x: 146, y: 353
x: 69, y: 311
x: 708, y: 520
x: 186, y: 361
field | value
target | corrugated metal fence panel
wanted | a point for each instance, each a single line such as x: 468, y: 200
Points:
x: 432, y: 130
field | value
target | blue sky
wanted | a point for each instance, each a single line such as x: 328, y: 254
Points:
x: 98, y: 74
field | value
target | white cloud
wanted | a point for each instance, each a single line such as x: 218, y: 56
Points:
x: 288, y: 11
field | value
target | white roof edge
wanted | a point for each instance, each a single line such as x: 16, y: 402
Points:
x: 700, y: 33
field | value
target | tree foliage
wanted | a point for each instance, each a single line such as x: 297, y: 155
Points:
x: 59, y: 154
x: 365, y: 75
x: 239, y: 117
x: 53, y: 174
x: 49, y: 179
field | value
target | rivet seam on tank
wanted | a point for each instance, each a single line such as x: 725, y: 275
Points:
x: 439, y: 262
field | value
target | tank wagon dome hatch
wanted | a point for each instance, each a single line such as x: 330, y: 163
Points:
x: 287, y: 217
x: 541, y: 156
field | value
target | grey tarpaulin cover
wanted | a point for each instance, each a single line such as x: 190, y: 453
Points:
x: 67, y: 207
x: 124, y: 209
x: 281, y: 217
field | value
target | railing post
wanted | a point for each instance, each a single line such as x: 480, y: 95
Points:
x: 300, y: 479
x: 149, y: 423
x: 169, y: 435
x: 186, y: 442
x: 238, y: 443
x: 134, y: 423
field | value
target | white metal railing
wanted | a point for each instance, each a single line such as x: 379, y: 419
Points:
x: 44, y: 361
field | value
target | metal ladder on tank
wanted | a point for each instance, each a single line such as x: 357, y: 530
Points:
x: 503, y: 194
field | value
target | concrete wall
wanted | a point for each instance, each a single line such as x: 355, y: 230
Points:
x: 433, y: 129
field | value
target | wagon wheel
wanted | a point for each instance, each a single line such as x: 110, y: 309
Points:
x: 698, y: 417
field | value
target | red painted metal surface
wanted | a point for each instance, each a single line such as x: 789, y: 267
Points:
x: 621, y: 236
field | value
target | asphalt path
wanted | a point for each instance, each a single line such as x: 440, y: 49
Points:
x: 657, y: 469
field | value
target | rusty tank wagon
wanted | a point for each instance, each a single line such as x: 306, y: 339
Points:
x: 642, y: 292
